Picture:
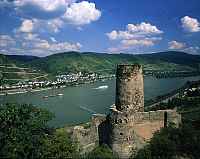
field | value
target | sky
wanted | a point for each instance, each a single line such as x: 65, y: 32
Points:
x: 45, y: 27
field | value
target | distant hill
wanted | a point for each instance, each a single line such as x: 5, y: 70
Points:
x: 14, y: 68
x: 4, y: 60
x: 174, y: 57
x: 105, y: 63
x: 16, y: 59
x: 94, y: 62
x: 22, y: 58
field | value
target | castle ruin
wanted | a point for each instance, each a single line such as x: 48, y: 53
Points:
x: 128, y: 127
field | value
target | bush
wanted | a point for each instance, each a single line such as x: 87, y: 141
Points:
x: 59, y: 145
x: 21, y: 130
x: 101, y: 152
x: 171, y: 142
x: 24, y: 134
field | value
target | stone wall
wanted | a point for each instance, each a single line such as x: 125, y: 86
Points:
x: 125, y: 134
x: 89, y: 135
x: 145, y: 124
x: 127, y: 128
x: 131, y: 131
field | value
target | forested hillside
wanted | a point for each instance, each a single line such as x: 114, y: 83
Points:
x: 103, y: 62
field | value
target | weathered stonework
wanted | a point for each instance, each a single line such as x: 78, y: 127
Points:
x: 129, y: 88
x: 127, y: 128
x: 88, y: 138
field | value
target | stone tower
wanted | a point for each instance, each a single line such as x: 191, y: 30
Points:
x: 128, y: 127
x: 129, y: 101
x: 129, y: 88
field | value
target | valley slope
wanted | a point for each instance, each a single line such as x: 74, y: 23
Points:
x: 106, y: 63
x: 103, y: 63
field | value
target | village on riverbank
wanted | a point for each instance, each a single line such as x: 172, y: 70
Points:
x: 69, y: 79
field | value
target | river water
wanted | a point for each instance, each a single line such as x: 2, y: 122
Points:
x: 78, y: 103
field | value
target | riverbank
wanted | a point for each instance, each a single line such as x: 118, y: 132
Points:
x: 153, y: 103
x: 31, y: 90
x: 21, y: 91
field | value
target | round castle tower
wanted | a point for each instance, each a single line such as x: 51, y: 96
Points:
x: 129, y: 88
x: 129, y: 100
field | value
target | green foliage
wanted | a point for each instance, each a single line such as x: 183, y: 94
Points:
x: 101, y: 152
x: 24, y: 134
x: 59, y: 145
x: 188, y: 107
x: 171, y: 142
x: 21, y: 130
x: 106, y: 63
x: 144, y: 153
x: 162, y: 146
x: 103, y: 63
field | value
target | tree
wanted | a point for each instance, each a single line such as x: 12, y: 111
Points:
x: 171, y: 142
x: 22, y: 129
x: 144, y: 153
x: 24, y: 133
x: 1, y: 79
x: 59, y: 145
x: 162, y: 147
x: 102, y: 152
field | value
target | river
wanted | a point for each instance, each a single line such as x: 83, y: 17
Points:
x: 78, y: 103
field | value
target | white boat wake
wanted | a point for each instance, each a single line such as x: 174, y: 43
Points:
x: 88, y: 110
x: 102, y: 87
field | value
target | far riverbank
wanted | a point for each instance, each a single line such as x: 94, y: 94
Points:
x: 31, y: 90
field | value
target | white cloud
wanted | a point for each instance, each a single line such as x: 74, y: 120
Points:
x: 26, y: 26
x: 190, y: 24
x: 46, y: 5
x: 134, y: 42
x: 6, y: 41
x: 134, y: 31
x: 53, y: 25
x: 36, y: 43
x: 175, y: 45
x: 113, y: 35
x: 77, y: 14
x: 52, y: 15
x: 41, y: 44
x: 38, y: 25
x: 119, y: 35
x: 74, y: 13
x: 143, y: 29
x: 192, y: 50
x: 29, y: 36
x: 65, y: 46
x: 33, y: 44
x: 135, y: 35
x: 81, y: 13
x: 44, y: 47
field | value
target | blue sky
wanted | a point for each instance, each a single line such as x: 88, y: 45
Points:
x: 44, y: 27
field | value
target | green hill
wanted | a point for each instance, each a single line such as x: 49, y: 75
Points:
x: 101, y: 62
x: 16, y: 59
x: 105, y: 63
x: 13, y: 68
